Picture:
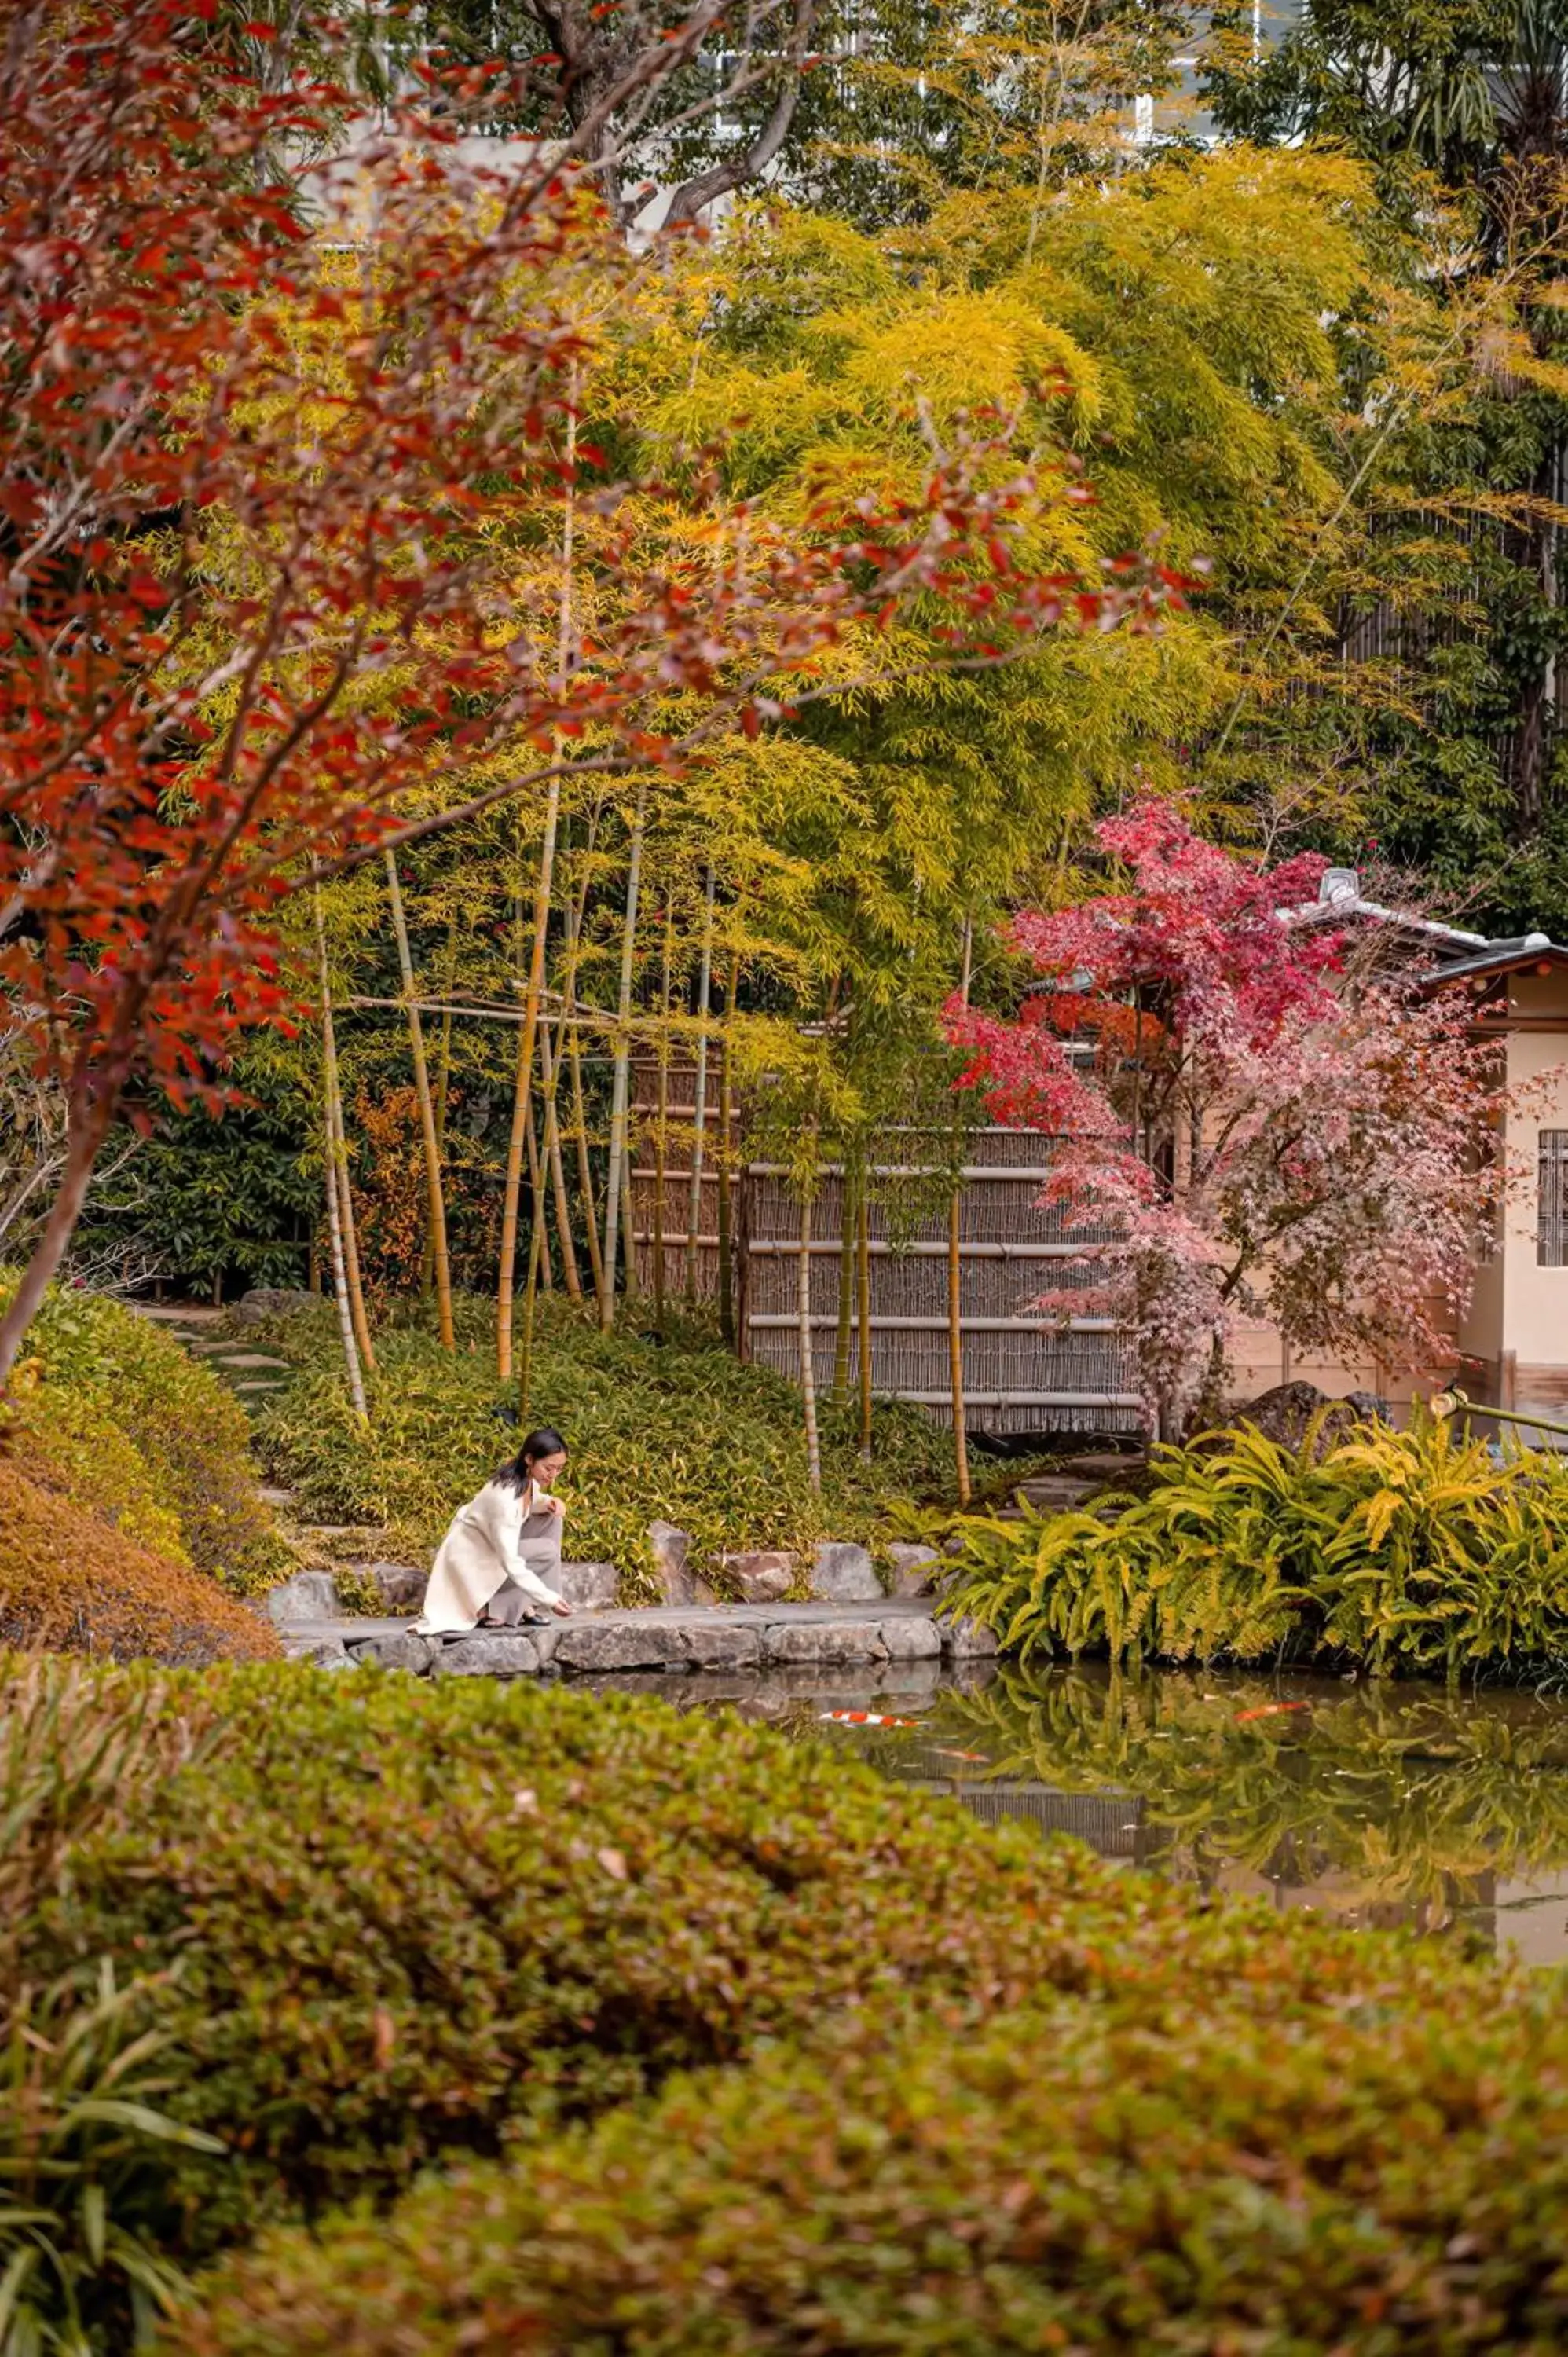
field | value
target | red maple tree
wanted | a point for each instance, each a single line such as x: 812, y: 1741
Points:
x: 1253, y: 1120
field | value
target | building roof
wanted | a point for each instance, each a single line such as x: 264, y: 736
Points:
x: 1459, y: 954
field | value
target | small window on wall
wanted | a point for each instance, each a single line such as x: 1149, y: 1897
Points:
x: 1551, y: 1212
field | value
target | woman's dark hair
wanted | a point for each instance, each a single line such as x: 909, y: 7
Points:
x: 516, y: 1473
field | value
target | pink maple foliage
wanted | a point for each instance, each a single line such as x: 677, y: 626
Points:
x: 1253, y: 1118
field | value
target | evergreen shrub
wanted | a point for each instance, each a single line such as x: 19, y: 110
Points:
x: 118, y: 1416
x: 1415, y: 1552
x: 415, y: 1921
x: 1142, y: 2176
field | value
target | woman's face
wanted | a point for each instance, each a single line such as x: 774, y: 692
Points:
x: 547, y: 1470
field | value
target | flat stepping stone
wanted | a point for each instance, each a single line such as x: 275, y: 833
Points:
x: 249, y: 1358
x: 256, y: 1385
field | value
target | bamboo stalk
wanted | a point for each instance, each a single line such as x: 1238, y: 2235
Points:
x: 339, y: 1282
x: 847, y: 1289
x: 443, y: 1265
x: 550, y: 1072
x: 521, y: 1118
x: 339, y: 1145
x: 576, y: 911
x: 808, y: 1368
x: 334, y: 1220
x: 726, y: 1204
x: 613, y: 1191
x: 700, y: 1098
x: 863, y: 1242
x: 530, y: 1300
x: 662, y: 1116
x: 631, y: 1283
x: 536, y: 1210
x: 955, y: 1285
x: 442, y: 1084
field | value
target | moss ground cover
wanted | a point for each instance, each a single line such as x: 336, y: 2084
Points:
x: 1411, y: 1552
x: 674, y: 1430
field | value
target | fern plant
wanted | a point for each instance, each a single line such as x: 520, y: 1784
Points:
x: 1412, y: 1550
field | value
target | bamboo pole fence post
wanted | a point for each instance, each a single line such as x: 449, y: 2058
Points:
x: 726, y: 1182
x: 846, y: 1286
x: 700, y: 1090
x: 955, y: 1281
x: 614, y: 1189
x: 442, y: 1263
x: 521, y: 1118
x: 339, y: 1145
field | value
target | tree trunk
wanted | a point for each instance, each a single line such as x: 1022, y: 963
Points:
x: 622, y: 1072
x: 338, y: 1141
x: 85, y: 1142
x: 726, y: 1198
x: 808, y: 1365
x: 863, y: 1242
x: 700, y: 1094
x: 442, y: 1263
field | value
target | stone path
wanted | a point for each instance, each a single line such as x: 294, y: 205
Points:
x: 248, y: 1373
x: 672, y: 1638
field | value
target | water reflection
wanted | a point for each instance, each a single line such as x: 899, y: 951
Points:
x: 1379, y: 1803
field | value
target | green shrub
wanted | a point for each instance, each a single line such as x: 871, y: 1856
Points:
x: 141, y: 1432
x: 415, y: 1921
x: 1400, y: 1551
x: 1121, y: 2178
x: 677, y: 1432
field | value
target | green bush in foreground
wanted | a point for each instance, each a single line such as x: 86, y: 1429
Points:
x: 1128, y: 2178
x: 677, y: 1431
x: 1400, y: 1551
x: 416, y: 1922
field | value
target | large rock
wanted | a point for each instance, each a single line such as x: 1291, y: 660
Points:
x: 488, y: 1653
x: 1285, y: 1414
x: 966, y: 1641
x: 308, y: 1595
x: 716, y: 1647
x: 678, y: 1584
x: 586, y: 1646
x: 842, y: 1573
x: 404, y: 1651
x: 401, y: 1585
x: 763, y: 1577
x: 264, y: 1301
x: 322, y: 1652
x: 823, y: 1640
x: 590, y: 1586
x: 914, y: 1568
x: 911, y: 1637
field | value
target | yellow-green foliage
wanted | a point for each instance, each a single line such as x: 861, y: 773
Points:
x: 1406, y: 1551
x: 115, y: 1414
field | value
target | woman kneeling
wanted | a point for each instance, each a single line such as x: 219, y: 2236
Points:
x: 494, y: 1560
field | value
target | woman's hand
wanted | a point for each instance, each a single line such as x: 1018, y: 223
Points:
x: 562, y: 1608
x: 553, y: 1506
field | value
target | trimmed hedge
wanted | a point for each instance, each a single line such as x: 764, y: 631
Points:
x: 1135, y: 2178
x: 416, y: 1922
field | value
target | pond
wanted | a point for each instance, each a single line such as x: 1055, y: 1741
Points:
x: 1379, y: 1803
